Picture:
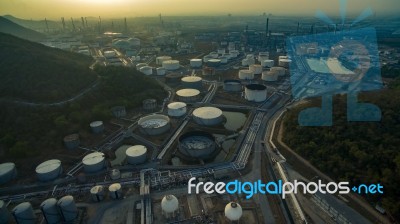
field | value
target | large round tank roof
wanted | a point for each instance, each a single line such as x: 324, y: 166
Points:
x: 188, y: 92
x: 256, y: 87
x: 176, y: 105
x: 170, y: 62
x: 169, y: 204
x: 22, y: 207
x: 207, y: 112
x: 191, y: 79
x: 96, y: 123
x: 48, y: 203
x: 233, y: 211
x: 196, y: 59
x: 153, y: 121
x: 48, y: 166
x: 6, y: 168
x: 114, y: 187
x: 93, y: 158
x: 136, y: 150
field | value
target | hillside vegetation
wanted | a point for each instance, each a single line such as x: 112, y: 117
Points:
x: 10, y: 27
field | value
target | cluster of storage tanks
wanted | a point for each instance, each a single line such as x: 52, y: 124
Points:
x: 114, y: 191
x: 214, y: 59
x: 54, y: 212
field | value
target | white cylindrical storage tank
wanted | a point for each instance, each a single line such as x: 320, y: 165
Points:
x: 23, y: 213
x: 188, y: 95
x: 206, y: 58
x: 176, y: 109
x: 8, y: 172
x: 269, y: 76
x: 246, y: 74
x: 71, y: 141
x: 233, y: 211
x: 161, y: 59
x: 115, y: 191
x: 4, y: 214
x: 169, y: 205
x: 223, y: 59
x: 280, y: 70
x: 68, y: 209
x: 50, y: 211
x: 192, y: 82
x: 171, y: 65
x: 161, y: 71
x: 267, y: 63
x: 284, y: 63
x: 154, y: 124
x: 283, y: 57
x: 147, y: 70
x: 97, y: 193
x: 139, y: 65
x: 208, y: 116
x: 214, y: 62
x: 256, y: 92
x: 232, y: 85
x: 97, y: 126
x: 196, y: 63
x: 136, y: 154
x: 257, y: 69
x: 221, y: 51
x: 49, y: 170
x: 94, y: 162
x: 115, y: 174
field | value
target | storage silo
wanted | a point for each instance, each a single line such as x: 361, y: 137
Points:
x: 192, y: 82
x: 136, y: 154
x: 149, y: 104
x: 115, y: 191
x: 246, y: 74
x: 256, y: 92
x: 232, y: 85
x: 154, y: 124
x: 280, y: 70
x: 214, y: 62
x: 267, y: 63
x: 71, y: 141
x: 161, y: 71
x: 161, y: 59
x: 68, y: 209
x: 23, y: 213
x: 257, y: 69
x: 269, y: 76
x: 8, y: 172
x: 188, y: 95
x: 97, y: 193
x: 196, y: 63
x: 4, y: 214
x: 118, y: 111
x: 50, y: 211
x: 208, y: 116
x: 233, y: 211
x: 171, y: 65
x: 176, y: 109
x: 115, y: 174
x: 147, y: 70
x: 97, y: 126
x: 49, y: 170
x: 94, y: 162
x: 197, y: 144
x: 139, y: 65
x: 169, y: 206
x: 284, y: 63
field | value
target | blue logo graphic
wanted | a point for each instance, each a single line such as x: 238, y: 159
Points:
x: 339, y: 62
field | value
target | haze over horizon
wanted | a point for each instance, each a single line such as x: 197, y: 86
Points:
x: 38, y: 9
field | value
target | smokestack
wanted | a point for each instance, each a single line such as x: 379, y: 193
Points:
x: 83, y: 22
x: 73, y: 25
x: 47, y: 25
x: 298, y: 27
x: 63, y: 23
x: 86, y: 22
x: 267, y: 27
x: 126, y: 26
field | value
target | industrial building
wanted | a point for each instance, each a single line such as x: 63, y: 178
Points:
x: 208, y: 116
x: 256, y: 92
x: 176, y: 109
x: 136, y: 154
x: 232, y: 85
x: 49, y: 170
x: 197, y: 144
x: 8, y: 172
x: 154, y: 124
x: 94, y: 162
x: 188, y: 95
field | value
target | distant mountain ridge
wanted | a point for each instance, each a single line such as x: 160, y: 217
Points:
x: 9, y: 27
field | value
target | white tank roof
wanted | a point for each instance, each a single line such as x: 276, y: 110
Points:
x: 48, y: 166
x: 169, y: 204
x: 188, y: 92
x: 93, y: 158
x: 196, y: 59
x: 170, y: 62
x: 96, y: 189
x: 96, y: 123
x: 114, y: 187
x: 176, y: 105
x: 233, y: 211
x: 136, y: 150
x: 207, y: 112
x: 6, y: 168
x: 191, y: 79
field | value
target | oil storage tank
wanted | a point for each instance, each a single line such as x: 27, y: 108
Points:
x: 197, y: 144
x: 214, y: 62
x: 50, y: 211
x: 97, y: 126
x: 140, y: 65
x: 208, y: 116
x: 154, y: 124
x: 269, y: 76
x: 23, y: 213
x: 68, y: 209
x: 4, y: 214
x: 161, y: 59
x: 171, y: 65
x: 188, y: 95
x: 280, y: 70
x: 97, y: 193
x: 71, y: 141
x: 149, y: 104
x: 233, y: 211
x: 192, y: 82
x: 136, y: 154
x: 232, y: 85
x: 94, y: 162
x: 115, y: 191
x: 49, y: 170
x: 257, y: 69
x: 147, y: 70
x: 176, y: 109
x: 256, y: 92
x: 246, y: 74
x: 161, y: 71
x: 267, y: 63
x: 284, y: 62
x: 196, y: 63
x: 8, y: 172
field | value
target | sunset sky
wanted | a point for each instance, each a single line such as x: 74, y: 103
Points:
x: 54, y: 9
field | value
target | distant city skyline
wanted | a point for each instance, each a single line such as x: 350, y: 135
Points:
x: 38, y: 9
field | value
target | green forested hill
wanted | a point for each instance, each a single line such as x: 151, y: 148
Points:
x: 359, y: 152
